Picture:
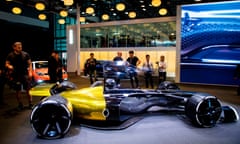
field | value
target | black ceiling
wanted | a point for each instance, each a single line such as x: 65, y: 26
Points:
x: 108, y: 7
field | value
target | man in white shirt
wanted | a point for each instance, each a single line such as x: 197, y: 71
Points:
x: 162, y: 66
x: 148, y: 70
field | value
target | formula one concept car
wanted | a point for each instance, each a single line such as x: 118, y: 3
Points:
x: 106, y: 102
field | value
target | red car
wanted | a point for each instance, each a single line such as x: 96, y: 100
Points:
x: 40, y: 72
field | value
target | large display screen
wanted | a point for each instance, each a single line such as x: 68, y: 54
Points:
x: 210, y: 42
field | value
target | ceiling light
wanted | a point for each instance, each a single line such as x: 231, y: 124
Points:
x: 68, y: 2
x: 132, y: 14
x: 9, y: 0
x: 42, y: 16
x: 163, y: 11
x: 63, y: 13
x: 82, y: 19
x: 61, y: 21
x: 17, y: 10
x: 120, y: 6
x: 90, y: 10
x: 105, y: 17
x: 39, y: 6
x: 156, y: 3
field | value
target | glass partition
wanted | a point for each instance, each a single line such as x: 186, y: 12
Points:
x: 146, y: 33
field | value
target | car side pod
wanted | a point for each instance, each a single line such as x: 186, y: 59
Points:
x: 51, y: 118
x: 203, y: 110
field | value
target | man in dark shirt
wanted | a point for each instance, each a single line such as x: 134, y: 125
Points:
x: 118, y: 57
x: 91, y: 67
x: 19, y: 67
x: 134, y: 61
x: 52, y: 67
x: 55, y: 68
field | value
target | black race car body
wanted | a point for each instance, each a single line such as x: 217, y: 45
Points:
x: 104, y: 101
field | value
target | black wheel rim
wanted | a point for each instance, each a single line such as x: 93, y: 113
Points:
x: 208, y: 112
x: 51, y: 121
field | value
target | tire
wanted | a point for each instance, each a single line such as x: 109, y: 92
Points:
x: 51, y: 118
x: 203, y: 111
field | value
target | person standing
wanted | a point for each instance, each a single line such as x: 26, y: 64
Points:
x: 18, y: 63
x: 59, y: 70
x: 162, y: 66
x: 52, y: 67
x: 133, y: 61
x: 118, y: 57
x: 148, y: 70
x: 91, y: 67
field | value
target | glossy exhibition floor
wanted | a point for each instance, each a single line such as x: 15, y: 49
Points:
x: 165, y: 128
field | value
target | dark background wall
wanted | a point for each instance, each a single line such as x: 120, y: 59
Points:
x: 37, y: 41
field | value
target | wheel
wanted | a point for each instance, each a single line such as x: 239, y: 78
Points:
x: 204, y: 111
x: 51, y: 119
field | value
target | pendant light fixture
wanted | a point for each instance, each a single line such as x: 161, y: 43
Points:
x: 163, y: 11
x: 68, y: 2
x: 42, y: 16
x: 156, y: 3
x: 90, y: 10
x: 120, y: 6
x: 63, y: 13
x: 16, y: 10
x: 132, y: 14
x: 40, y: 6
x: 105, y: 17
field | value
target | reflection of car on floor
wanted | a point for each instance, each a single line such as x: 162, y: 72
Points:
x: 211, y: 64
x: 40, y: 72
x: 106, y: 106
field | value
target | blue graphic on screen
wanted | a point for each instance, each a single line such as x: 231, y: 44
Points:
x: 210, y: 42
